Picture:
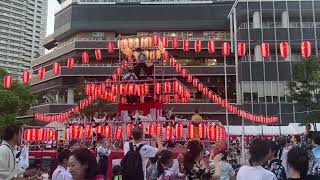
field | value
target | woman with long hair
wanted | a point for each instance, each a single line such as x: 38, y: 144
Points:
x: 83, y: 165
x: 193, y: 169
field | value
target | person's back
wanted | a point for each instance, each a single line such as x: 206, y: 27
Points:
x: 255, y: 173
x: 259, y: 151
x: 145, y: 151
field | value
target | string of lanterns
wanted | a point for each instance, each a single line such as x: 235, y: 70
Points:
x: 213, y: 132
x: 42, y: 134
x: 154, y: 41
x: 215, y: 97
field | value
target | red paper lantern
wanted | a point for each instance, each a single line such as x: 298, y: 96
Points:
x: 284, y: 49
x: 172, y: 62
x: 186, y: 45
x: 165, y: 41
x: 167, y: 88
x: 27, y: 135
x: 176, y: 86
x: 118, y: 133
x: 179, y: 131
x: 88, y: 132
x: 119, y: 71
x: 189, y: 78
x: 202, y: 131
x: 155, y: 39
x: 191, y: 131
x: 25, y: 77
x: 56, y: 68
x: 89, y: 89
x: 205, y: 91
x: 114, y: 89
x: 166, y: 99
x: 151, y: 129
x: 200, y: 87
x: 41, y: 72
x: 211, y: 47
x: 178, y: 68
x: 129, y: 130
x: 158, y: 88
x: 70, y: 63
x: 7, y: 82
x: 85, y: 57
x: 108, y: 131
x: 146, y: 88
x: 158, y: 129
x: 211, y: 132
x: 210, y: 94
x: 175, y: 43
x: 265, y: 50
x: 195, y: 82
x: 141, y: 90
x: 241, y: 49
x: 76, y: 131
x: 197, y: 46
x: 110, y: 47
x: 165, y: 55
x: 225, y: 49
x: 98, y: 54
x: 306, y: 49
x: 169, y: 133
x: 216, y: 133
x: 184, y: 73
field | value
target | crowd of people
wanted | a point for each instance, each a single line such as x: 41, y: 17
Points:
x: 279, y: 158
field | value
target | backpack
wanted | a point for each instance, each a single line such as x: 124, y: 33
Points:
x: 131, y: 164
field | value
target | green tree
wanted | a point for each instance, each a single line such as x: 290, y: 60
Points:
x: 305, y: 87
x: 14, y: 101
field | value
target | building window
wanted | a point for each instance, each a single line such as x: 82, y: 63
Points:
x: 97, y: 35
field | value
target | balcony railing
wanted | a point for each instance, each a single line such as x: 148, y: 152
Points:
x: 68, y: 2
x: 279, y: 25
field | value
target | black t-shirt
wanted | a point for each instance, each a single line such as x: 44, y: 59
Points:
x: 309, y: 177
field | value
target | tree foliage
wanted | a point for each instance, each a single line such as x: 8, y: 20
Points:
x: 14, y: 101
x: 305, y: 87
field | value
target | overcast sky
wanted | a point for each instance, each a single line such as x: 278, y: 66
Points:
x: 52, y: 5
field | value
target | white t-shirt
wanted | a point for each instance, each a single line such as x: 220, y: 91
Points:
x: 255, y: 173
x: 146, y: 152
x: 103, y: 151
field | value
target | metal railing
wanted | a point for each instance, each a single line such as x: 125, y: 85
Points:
x: 279, y: 25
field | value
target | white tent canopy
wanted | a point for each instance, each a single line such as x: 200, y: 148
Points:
x: 292, y: 128
x: 55, y: 125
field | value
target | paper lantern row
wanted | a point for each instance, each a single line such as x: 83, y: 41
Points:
x: 43, y: 134
x: 119, y: 132
x: 284, y: 49
x: 217, y: 99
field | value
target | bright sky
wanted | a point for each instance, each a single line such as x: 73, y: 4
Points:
x: 52, y: 6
